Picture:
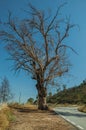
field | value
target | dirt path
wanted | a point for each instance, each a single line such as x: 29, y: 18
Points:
x: 38, y: 120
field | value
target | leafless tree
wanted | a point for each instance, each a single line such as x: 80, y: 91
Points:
x: 5, y: 92
x: 36, y: 45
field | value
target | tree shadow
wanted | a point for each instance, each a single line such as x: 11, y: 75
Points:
x: 80, y: 115
x: 34, y: 110
x: 25, y: 110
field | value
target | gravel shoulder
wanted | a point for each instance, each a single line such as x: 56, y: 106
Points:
x: 33, y: 119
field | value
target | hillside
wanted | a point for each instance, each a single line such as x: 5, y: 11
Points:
x: 74, y: 95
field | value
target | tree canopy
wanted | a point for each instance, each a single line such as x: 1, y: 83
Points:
x: 37, y: 45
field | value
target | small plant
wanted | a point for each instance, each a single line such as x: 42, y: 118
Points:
x: 10, y: 116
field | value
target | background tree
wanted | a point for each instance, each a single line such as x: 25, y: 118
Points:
x: 5, y: 92
x: 30, y: 100
x: 37, y: 45
x: 64, y: 87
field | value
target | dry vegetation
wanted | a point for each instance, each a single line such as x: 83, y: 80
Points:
x: 6, y: 116
x: 82, y: 108
x: 30, y: 118
x: 4, y: 123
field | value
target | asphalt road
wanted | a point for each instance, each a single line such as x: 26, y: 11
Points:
x: 72, y: 115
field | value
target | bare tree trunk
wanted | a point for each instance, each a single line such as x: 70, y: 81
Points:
x: 42, y: 105
x: 42, y: 93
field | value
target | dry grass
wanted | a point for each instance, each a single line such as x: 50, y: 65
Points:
x: 6, y: 116
x: 15, y: 105
x: 82, y: 108
x: 61, y: 105
x: 4, y: 123
x: 32, y: 107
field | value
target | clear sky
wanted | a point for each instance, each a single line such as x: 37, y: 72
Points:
x: 21, y: 82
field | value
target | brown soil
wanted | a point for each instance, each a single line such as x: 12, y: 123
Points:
x: 33, y: 119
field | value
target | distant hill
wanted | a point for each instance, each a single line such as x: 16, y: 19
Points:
x: 74, y: 95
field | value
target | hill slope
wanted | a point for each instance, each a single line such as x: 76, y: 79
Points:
x: 72, y: 95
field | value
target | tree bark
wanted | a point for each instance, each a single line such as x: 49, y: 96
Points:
x: 42, y: 94
x: 42, y: 105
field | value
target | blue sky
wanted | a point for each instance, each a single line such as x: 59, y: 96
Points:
x: 21, y: 82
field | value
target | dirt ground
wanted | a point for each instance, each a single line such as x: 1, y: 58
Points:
x: 33, y: 119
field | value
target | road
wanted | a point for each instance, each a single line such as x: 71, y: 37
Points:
x: 72, y: 115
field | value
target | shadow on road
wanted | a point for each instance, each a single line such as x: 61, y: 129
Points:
x: 72, y: 114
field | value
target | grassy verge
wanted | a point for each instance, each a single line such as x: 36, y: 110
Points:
x: 6, y: 116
